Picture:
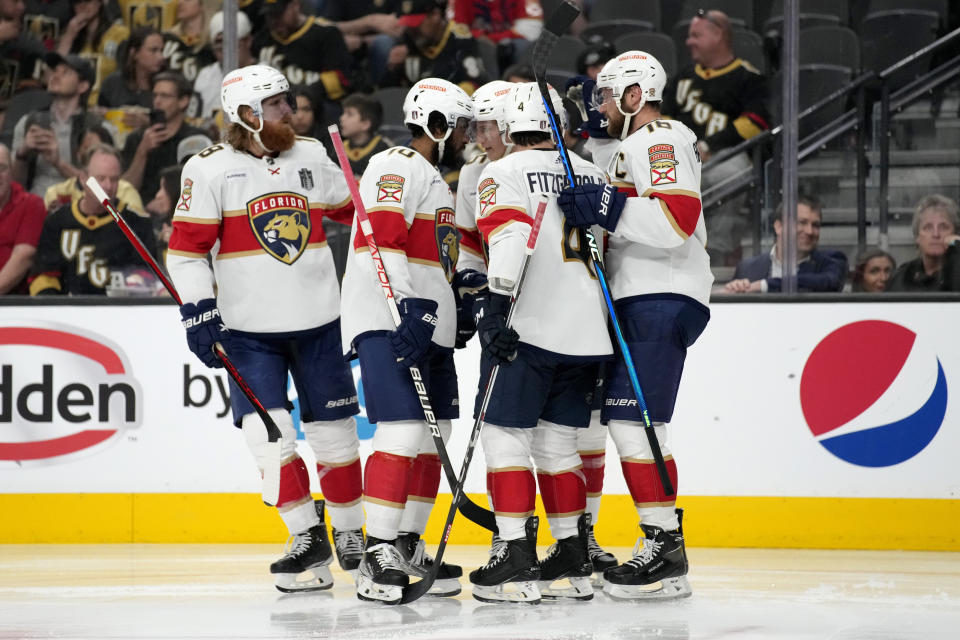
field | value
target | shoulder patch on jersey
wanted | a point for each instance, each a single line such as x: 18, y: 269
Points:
x: 488, y: 194
x: 390, y: 188
x: 306, y: 179
x: 186, y: 195
x: 663, y: 164
x: 281, y: 224
x: 448, y: 240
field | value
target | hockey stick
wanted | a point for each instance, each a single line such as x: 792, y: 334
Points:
x: 555, y: 25
x: 418, y: 589
x: 468, y: 508
x: 271, y: 469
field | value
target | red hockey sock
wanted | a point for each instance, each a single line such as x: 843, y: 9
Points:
x: 387, y: 477
x: 644, y: 483
x: 512, y: 492
x: 294, y: 482
x: 562, y: 493
x: 341, y: 484
x: 593, y: 466
x: 425, y: 477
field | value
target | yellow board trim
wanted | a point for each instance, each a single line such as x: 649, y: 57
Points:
x: 709, y: 521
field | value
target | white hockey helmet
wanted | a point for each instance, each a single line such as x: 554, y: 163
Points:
x: 490, y: 100
x: 434, y: 94
x: 525, y: 110
x: 628, y: 69
x: 250, y: 86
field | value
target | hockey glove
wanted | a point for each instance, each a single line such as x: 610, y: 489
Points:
x: 498, y: 341
x: 467, y: 285
x: 411, y: 339
x: 589, y: 204
x: 204, y: 329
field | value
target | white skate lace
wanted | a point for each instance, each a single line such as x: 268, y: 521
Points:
x: 593, y: 547
x: 420, y: 557
x: 298, y: 543
x: 387, y: 556
x: 646, y: 553
x: 349, y: 542
x: 498, y: 551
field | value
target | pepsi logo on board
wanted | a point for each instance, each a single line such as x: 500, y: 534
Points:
x: 873, y: 393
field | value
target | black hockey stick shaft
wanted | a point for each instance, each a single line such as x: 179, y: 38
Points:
x: 420, y: 588
x: 555, y: 25
x: 271, y: 472
x: 470, y: 509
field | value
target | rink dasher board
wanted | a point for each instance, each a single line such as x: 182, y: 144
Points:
x: 171, y: 467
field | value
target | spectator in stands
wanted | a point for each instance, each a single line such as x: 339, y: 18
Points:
x: 46, y: 20
x: 161, y: 209
x: 21, y: 220
x: 872, y: 271
x: 509, y: 24
x: 44, y: 140
x: 71, y: 189
x: 721, y: 98
x: 363, y: 22
x: 207, y: 84
x: 186, y: 46
x: 361, y: 118
x: 20, y: 51
x: 129, y: 89
x: 80, y: 243
x: 149, y: 150
x: 937, y: 268
x: 434, y: 47
x: 518, y: 73
x: 307, y: 50
x: 817, y: 269
x: 91, y: 32
x: 591, y: 60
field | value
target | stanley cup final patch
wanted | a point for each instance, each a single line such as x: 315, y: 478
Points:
x: 663, y: 164
x: 390, y: 188
x: 306, y: 179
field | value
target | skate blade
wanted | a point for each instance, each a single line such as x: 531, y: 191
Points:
x: 372, y: 592
x: 566, y: 589
x: 445, y: 588
x: 313, y: 579
x: 526, y: 592
x: 666, y: 589
x: 596, y: 580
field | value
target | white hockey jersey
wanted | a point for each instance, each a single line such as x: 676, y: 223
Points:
x: 659, y: 243
x: 472, y: 253
x: 411, y: 210
x: 561, y: 308
x: 260, y: 219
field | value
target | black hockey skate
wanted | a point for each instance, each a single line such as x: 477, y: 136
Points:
x: 512, y: 572
x: 305, y: 565
x: 413, y: 550
x: 658, y: 569
x: 349, y: 547
x: 568, y: 559
x: 600, y: 558
x: 381, y: 575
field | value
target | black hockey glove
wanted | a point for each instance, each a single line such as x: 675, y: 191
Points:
x: 498, y: 341
x: 411, y: 339
x: 204, y: 329
x: 467, y: 285
x: 589, y: 204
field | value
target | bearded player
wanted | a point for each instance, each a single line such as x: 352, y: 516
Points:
x: 254, y: 204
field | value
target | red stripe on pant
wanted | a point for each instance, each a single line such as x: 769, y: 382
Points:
x: 387, y: 476
x: 593, y: 467
x: 294, y: 482
x: 425, y: 477
x: 644, y: 481
x: 341, y: 485
x: 562, y: 492
x: 512, y: 491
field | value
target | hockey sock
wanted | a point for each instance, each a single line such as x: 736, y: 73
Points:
x: 647, y: 491
x: 564, y: 498
x: 386, y: 482
x: 513, y: 493
x: 593, y: 467
x: 422, y: 493
x: 296, y: 504
x: 342, y: 486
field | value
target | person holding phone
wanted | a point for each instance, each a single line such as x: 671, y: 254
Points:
x: 149, y: 150
x: 44, y: 141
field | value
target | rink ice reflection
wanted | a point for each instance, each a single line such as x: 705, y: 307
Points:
x: 224, y: 591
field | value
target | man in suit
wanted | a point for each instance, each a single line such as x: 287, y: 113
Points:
x: 817, y: 270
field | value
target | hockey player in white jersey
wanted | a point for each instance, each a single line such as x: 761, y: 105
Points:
x: 411, y: 212
x: 549, y: 362
x: 254, y: 204
x: 660, y: 278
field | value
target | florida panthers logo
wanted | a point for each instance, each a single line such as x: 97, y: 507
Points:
x: 281, y: 224
x: 448, y: 241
